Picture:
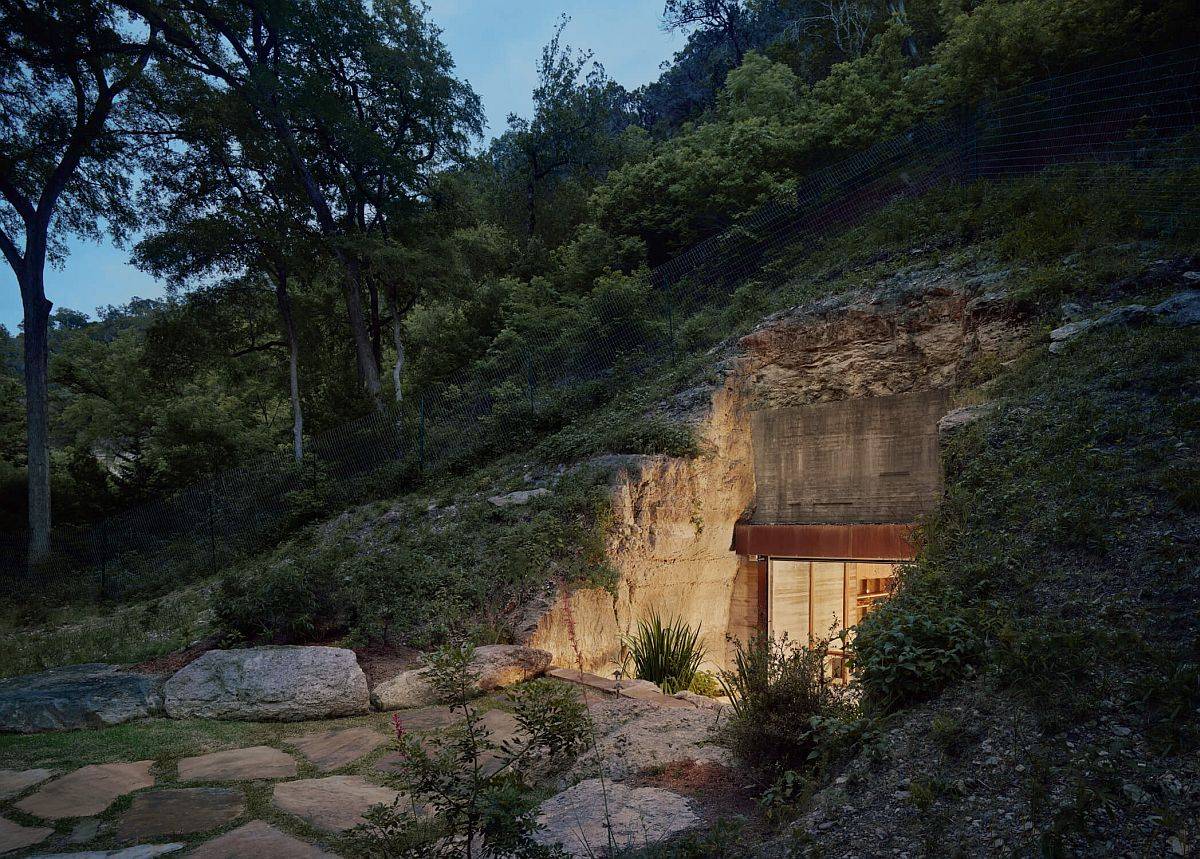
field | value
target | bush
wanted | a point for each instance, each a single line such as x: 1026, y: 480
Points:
x: 915, y: 643
x: 667, y: 655
x: 465, y: 804
x: 786, y: 711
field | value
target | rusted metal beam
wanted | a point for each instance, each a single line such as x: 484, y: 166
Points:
x: 832, y: 542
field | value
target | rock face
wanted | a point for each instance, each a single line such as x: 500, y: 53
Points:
x: 79, y: 696
x: 498, y: 666
x: 672, y: 529
x: 269, y: 684
x: 576, y: 817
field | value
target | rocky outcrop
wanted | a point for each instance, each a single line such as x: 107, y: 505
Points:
x: 672, y: 528
x: 1180, y: 310
x: 497, y: 666
x: 583, y: 818
x: 78, y: 696
x: 269, y: 684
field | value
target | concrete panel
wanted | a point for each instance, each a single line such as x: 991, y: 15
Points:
x: 857, y: 461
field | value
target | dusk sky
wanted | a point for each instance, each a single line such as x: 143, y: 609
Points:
x: 496, y: 46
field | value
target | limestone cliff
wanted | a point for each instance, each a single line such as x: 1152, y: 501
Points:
x: 671, y: 534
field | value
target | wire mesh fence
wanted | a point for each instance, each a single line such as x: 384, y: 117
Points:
x: 1139, y: 116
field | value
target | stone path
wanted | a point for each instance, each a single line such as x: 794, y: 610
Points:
x: 14, y: 836
x: 87, y: 791
x: 202, y: 806
x: 332, y: 750
x: 256, y: 762
x: 13, y: 782
x: 141, y: 851
x: 180, y: 811
x: 335, y: 803
x: 261, y: 841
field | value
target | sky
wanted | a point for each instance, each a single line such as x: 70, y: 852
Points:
x: 496, y: 45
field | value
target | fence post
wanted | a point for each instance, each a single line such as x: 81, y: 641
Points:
x: 529, y: 384
x: 421, y: 433
x: 212, y: 529
x: 103, y: 532
x: 970, y: 144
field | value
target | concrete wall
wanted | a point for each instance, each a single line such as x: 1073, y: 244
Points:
x: 857, y: 461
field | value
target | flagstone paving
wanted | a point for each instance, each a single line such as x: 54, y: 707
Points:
x: 87, y: 791
x: 255, y: 762
x: 13, y: 782
x: 261, y: 840
x: 428, y: 718
x: 141, y: 851
x: 180, y: 811
x: 332, y: 750
x: 335, y: 803
x: 14, y: 836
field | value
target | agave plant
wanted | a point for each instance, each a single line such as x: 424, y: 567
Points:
x: 668, y: 655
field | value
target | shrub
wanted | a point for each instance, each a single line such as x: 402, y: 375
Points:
x: 667, y: 655
x: 706, y: 684
x: 466, y: 804
x: 786, y: 712
x: 915, y: 643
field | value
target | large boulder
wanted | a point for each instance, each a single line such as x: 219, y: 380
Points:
x: 78, y: 696
x: 498, y: 666
x: 284, y: 684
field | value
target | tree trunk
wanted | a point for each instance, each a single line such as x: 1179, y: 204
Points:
x: 376, y: 333
x: 37, y: 416
x: 284, y: 301
x: 368, y: 370
x: 398, y: 342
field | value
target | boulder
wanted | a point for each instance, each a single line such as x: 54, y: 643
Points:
x: 498, y: 666
x: 516, y: 499
x: 1180, y: 309
x: 284, y: 684
x: 78, y: 696
x: 962, y: 417
x: 579, y: 818
x: 1129, y: 314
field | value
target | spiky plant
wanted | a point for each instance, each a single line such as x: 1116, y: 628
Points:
x: 666, y: 654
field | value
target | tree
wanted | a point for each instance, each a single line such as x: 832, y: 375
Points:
x: 574, y: 132
x: 724, y: 16
x: 223, y: 202
x: 359, y: 98
x: 67, y: 70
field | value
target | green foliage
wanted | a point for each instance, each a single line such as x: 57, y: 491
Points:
x: 466, y: 804
x: 914, y: 643
x: 401, y: 573
x: 706, y: 684
x: 669, y: 655
x: 787, y: 713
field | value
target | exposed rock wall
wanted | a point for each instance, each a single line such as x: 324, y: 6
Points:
x: 673, y: 525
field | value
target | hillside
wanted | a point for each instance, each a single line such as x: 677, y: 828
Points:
x: 795, y: 456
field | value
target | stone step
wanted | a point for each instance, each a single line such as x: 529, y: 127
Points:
x: 610, y: 687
